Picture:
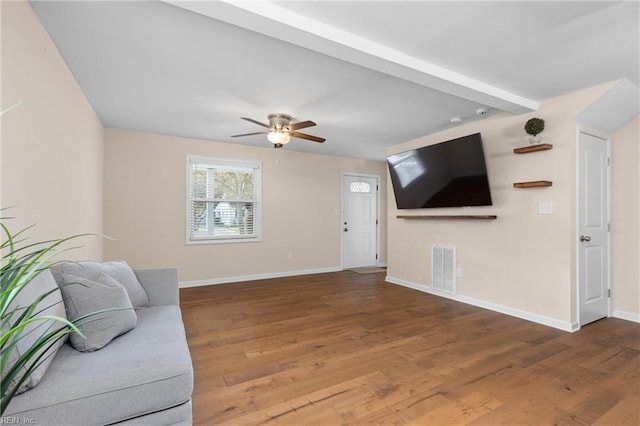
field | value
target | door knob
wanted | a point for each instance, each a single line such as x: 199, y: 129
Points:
x: 584, y: 238
x: 345, y: 229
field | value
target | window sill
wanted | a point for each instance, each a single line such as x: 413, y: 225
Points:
x: 198, y: 242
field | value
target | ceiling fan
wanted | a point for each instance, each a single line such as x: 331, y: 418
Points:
x: 281, y: 130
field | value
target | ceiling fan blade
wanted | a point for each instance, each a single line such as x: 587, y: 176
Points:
x: 249, y: 134
x: 255, y: 122
x: 301, y: 125
x: 307, y: 137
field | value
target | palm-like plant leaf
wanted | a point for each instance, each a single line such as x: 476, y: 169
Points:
x: 20, y: 264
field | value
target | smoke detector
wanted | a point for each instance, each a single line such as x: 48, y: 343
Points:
x: 482, y: 112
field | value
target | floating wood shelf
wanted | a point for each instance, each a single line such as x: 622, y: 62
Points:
x: 533, y: 184
x: 533, y: 148
x: 471, y: 216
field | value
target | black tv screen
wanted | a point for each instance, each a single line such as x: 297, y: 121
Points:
x: 447, y: 174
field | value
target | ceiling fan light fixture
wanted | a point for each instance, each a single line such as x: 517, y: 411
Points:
x: 278, y: 137
x: 280, y: 130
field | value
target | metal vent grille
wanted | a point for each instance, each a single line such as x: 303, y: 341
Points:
x: 443, y: 268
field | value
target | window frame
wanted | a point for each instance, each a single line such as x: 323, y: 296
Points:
x: 257, y: 202
x: 361, y: 185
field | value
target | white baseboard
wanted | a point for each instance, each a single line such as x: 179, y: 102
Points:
x: 626, y: 316
x: 529, y: 316
x: 240, y: 278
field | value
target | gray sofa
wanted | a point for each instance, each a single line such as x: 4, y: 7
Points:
x: 142, y: 377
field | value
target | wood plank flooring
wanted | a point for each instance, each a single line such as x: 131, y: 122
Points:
x: 348, y: 348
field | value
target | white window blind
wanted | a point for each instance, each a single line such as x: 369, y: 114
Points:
x: 223, y: 201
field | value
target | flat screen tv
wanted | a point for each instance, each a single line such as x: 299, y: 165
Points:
x: 447, y: 174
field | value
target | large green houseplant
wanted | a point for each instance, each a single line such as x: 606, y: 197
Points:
x: 21, y: 262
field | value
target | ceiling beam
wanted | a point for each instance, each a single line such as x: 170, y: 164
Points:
x: 274, y: 21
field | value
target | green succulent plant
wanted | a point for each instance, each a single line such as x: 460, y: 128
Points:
x: 534, y: 126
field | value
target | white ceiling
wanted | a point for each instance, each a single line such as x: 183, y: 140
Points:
x: 371, y: 74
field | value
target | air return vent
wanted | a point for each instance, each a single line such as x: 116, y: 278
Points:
x: 443, y: 268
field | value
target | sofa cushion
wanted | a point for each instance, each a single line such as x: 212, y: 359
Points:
x: 83, y: 297
x: 40, y: 285
x: 143, y: 371
x: 119, y: 271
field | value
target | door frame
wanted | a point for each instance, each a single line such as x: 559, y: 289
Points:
x: 607, y: 138
x: 342, y: 213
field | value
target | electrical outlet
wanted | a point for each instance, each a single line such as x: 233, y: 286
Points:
x: 290, y: 255
x: 545, y: 207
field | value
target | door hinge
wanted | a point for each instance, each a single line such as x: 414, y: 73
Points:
x: 609, y: 293
x: 376, y: 256
x: 608, y: 161
x: 376, y: 221
x: 377, y: 188
x: 608, y: 227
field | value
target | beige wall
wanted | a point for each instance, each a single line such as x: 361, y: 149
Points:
x: 52, y: 144
x: 523, y: 262
x: 145, y: 207
x: 625, y: 233
x: 51, y: 171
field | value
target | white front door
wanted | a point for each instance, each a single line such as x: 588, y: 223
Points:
x: 359, y: 221
x: 593, y: 223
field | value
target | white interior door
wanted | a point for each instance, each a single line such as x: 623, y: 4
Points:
x: 359, y: 221
x: 593, y: 228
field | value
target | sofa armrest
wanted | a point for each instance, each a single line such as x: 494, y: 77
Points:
x: 160, y: 284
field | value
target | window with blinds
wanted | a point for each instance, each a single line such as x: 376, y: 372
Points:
x: 223, y: 201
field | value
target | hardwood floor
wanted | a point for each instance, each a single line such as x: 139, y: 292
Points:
x: 348, y: 348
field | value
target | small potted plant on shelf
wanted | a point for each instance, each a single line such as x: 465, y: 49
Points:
x: 534, y: 127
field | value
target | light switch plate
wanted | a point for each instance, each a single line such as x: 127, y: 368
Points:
x: 545, y: 207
